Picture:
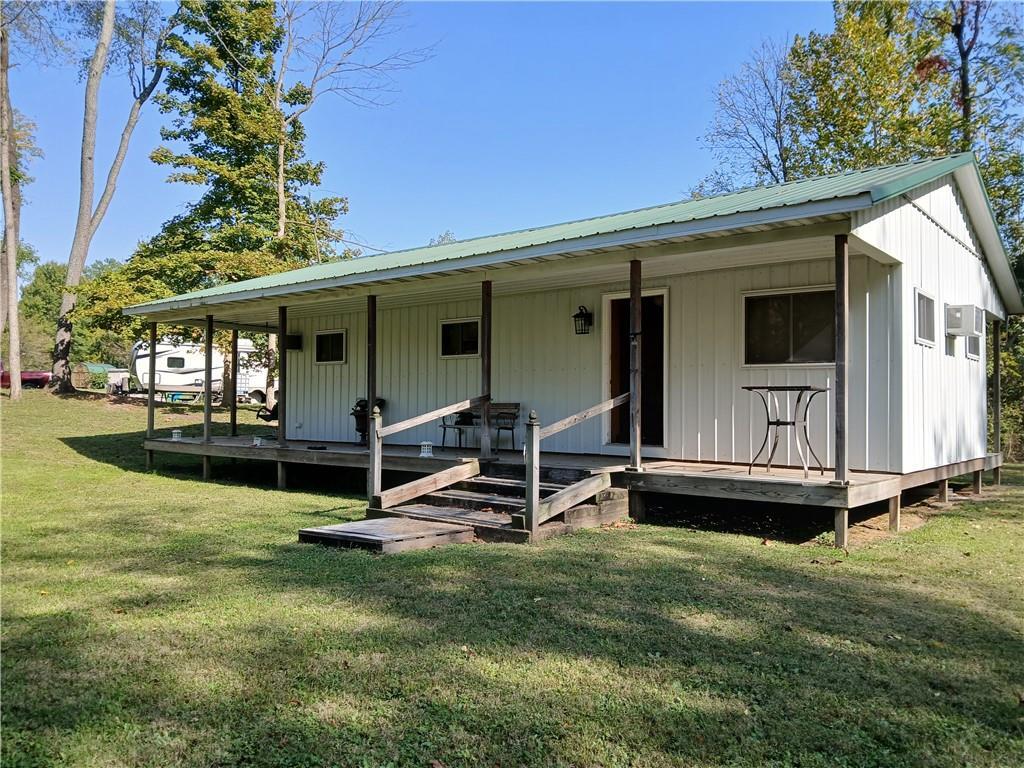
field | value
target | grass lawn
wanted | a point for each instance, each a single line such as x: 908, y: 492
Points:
x: 153, y: 619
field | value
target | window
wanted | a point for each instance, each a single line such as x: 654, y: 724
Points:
x: 460, y: 338
x: 974, y: 347
x: 330, y: 346
x: 175, y: 362
x: 790, y: 328
x: 924, y: 318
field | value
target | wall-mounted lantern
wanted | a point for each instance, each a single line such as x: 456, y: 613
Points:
x: 583, y: 320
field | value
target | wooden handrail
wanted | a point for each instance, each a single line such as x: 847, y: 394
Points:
x: 402, y: 493
x: 576, y: 418
x: 423, y: 418
x: 572, y: 495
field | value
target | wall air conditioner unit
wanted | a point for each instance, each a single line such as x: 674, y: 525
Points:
x: 964, y: 320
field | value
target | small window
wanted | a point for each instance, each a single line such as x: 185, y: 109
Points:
x: 790, y: 328
x: 924, y: 319
x: 330, y: 346
x: 175, y: 362
x: 974, y: 347
x: 460, y: 338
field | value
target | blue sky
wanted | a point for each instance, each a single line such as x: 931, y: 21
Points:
x: 527, y: 114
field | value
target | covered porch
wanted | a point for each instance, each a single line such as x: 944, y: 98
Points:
x: 632, y: 464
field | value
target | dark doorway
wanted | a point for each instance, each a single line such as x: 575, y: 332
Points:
x: 652, y: 380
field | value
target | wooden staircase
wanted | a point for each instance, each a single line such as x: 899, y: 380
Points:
x: 490, y: 505
x: 488, y: 498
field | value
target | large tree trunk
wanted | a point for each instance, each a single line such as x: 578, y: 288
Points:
x: 87, y: 184
x: 10, y: 219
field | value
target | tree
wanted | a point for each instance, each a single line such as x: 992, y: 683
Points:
x: 750, y: 135
x: 868, y: 93
x: 134, y: 39
x: 445, y: 237
x: 11, y: 201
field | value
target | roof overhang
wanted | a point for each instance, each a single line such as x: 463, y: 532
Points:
x: 662, y: 234
x: 979, y: 208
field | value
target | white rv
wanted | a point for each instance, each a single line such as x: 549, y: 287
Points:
x: 180, y: 368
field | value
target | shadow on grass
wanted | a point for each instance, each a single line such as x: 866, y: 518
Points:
x: 651, y: 646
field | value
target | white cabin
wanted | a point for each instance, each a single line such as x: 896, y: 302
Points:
x: 737, y: 290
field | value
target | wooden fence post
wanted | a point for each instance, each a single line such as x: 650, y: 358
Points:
x: 376, y: 446
x: 532, y: 451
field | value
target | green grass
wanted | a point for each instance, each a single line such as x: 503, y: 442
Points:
x: 153, y: 619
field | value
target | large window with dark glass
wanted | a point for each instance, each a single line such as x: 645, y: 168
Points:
x: 790, y: 328
x: 460, y: 338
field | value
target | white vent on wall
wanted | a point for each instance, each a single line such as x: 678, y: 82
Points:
x: 964, y: 320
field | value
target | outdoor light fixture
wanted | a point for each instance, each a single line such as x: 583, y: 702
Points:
x: 583, y: 319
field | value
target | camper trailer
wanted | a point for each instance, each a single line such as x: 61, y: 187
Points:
x: 181, y: 366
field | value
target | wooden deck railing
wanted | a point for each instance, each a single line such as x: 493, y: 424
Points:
x: 538, y: 512
x: 376, y: 434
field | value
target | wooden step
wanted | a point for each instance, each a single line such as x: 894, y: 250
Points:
x: 505, y: 486
x: 454, y: 514
x: 454, y: 497
x: 388, y: 534
x: 556, y: 475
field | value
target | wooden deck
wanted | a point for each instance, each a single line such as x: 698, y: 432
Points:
x: 728, y: 481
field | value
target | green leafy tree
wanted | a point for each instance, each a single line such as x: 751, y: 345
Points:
x: 869, y: 93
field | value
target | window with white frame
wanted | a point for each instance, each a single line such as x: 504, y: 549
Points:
x: 973, y: 347
x: 331, y: 346
x: 790, y: 328
x: 924, y: 318
x: 460, y: 338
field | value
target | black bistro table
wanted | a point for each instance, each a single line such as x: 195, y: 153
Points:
x: 797, y: 421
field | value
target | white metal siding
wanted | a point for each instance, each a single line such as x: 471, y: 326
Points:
x: 541, y: 363
x: 943, y: 392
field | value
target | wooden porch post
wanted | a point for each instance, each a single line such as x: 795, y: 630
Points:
x: 532, y: 457
x: 485, y: 369
x: 635, y: 361
x: 233, y: 402
x: 282, y: 388
x: 151, y: 394
x: 842, y: 267
x: 997, y: 396
x: 208, y: 396
x: 371, y: 353
x: 376, y: 445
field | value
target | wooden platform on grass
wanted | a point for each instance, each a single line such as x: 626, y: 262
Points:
x: 388, y: 534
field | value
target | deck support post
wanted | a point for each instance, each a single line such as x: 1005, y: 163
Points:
x: 532, y: 450
x: 208, y: 386
x: 944, y: 491
x: 895, y: 506
x: 485, y: 369
x: 151, y: 385
x: 842, y: 521
x: 282, y: 379
x: 232, y: 395
x: 282, y: 475
x: 997, y: 396
x: 842, y: 269
x: 207, y: 467
x: 373, y: 472
x: 371, y: 353
x: 637, y: 506
x: 635, y: 362
x: 976, y: 482
x: 151, y: 395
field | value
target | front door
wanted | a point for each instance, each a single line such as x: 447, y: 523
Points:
x: 652, y: 366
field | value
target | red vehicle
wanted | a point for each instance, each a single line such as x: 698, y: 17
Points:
x: 29, y: 379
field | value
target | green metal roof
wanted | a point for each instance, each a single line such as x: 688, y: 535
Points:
x: 867, y: 186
